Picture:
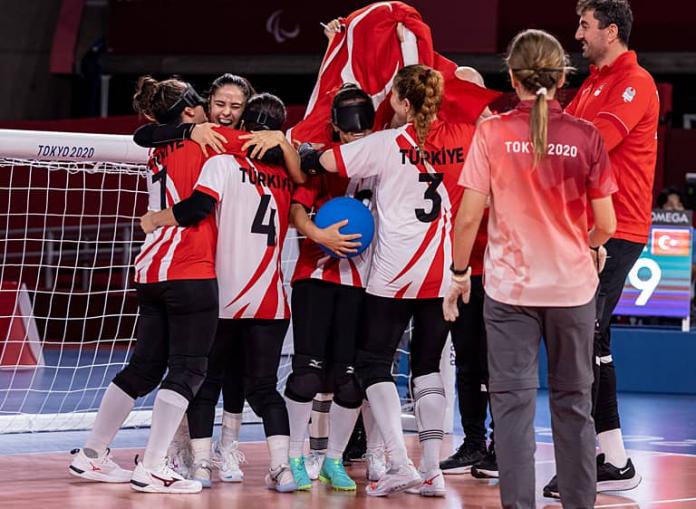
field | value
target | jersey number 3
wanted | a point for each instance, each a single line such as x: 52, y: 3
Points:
x: 265, y: 229
x: 433, y: 180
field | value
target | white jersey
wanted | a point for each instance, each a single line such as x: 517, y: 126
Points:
x: 252, y: 217
x: 416, y: 196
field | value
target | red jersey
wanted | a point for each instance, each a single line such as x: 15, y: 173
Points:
x: 621, y: 100
x: 313, y: 262
x: 252, y: 219
x: 538, y: 247
x: 416, y: 197
x: 175, y: 252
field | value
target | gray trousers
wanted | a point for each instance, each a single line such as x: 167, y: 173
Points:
x: 514, y: 334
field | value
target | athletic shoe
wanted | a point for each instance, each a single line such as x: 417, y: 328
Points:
x: 376, y: 463
x: 161, y: 480
x: 281, y: 479
x: 487, y: 468
x: 395, y: 480
x: 463, y: 459
x: 551, y: 488
x: 203, y: 473
x: 99, y: 468
x: 611, y: 478
x: 299, y: 473
x: 432, y: 484
x: 228, y: 459
x: 357, y: 445
x: 180, y: 458
x: 313, y: 464
x: 333, y: 473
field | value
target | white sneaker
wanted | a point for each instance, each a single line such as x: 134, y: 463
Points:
x: 313, y: 463
x: 228, y: 459
x: 162, y: 480
x: 281, y: 479
x: 180, y: 458
x: 203, y: 473
x: 432, y: 485
x: 376, y: 462
x: 395, y: 480
x: 99, y: 468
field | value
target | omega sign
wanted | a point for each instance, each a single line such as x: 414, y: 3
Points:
x: 280, y: 34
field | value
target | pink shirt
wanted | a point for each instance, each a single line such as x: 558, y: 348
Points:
x: 538, y: 247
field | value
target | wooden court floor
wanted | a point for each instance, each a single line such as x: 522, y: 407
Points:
x: 41, y: 481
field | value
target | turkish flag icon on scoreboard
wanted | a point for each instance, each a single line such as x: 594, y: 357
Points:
x: 671, y: 242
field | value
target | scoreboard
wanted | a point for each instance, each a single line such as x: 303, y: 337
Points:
x: 659, y: 284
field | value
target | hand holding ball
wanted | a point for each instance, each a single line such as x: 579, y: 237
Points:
x: 353, y: 227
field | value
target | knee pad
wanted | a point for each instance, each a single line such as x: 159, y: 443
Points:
x: 306, y: 379
x: 347, y: 391
x: 186, y: 375
x: 372, y: 369
x: 139, y: 378
x: 262, y: 393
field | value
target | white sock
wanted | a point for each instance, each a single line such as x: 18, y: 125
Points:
x: 278, y: 449
x: 167, y: 412
x: 231, y: 423
x: 113, y: 411
x: 298, y: 417
x: 429, y: 394
x: 341, y: 424
x: 611, y: 444
x: 182, y: 437
x: 201, y: 449
x: 372, y: 435
x: 319, y: 424
x: 386, y: 407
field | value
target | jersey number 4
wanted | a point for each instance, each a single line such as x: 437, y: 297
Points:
x: 433, y: 180
x: 265, y: 229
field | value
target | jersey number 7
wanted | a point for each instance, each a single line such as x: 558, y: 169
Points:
x: 433, y: 180
x: 265, y: 229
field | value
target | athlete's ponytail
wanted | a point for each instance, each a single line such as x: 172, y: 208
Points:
x: 423, y: 87
x: 153, y: 98
x: 537, y: 61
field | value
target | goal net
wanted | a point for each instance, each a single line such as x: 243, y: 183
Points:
x: 69, y: 231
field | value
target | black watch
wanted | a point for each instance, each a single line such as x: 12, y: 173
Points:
x: 459, y: 272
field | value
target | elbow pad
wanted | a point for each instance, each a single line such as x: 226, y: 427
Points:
x: 193, y: 209
x: 309, y: 160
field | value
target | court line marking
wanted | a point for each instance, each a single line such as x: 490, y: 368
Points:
x: 653, y: 502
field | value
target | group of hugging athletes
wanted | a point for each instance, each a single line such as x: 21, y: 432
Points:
x: 497, y: 228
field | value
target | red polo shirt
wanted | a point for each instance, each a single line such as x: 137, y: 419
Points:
x: 621, y: 100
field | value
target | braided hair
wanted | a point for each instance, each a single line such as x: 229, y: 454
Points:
x: 423, y: 87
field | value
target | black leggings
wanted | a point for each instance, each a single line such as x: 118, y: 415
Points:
x: 176, y: 329
x: 469, y: 341
x: 383, y: 324
x: 246, y: 355
x: 325, y: 329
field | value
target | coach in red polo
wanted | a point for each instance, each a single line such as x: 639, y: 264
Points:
x: 620, y: 99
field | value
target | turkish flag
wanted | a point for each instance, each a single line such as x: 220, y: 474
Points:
x: 671, y: 241
x: 368, y: 52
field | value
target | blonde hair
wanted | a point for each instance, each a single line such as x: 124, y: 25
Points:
x: 423, y: 87
x: 538, y: 62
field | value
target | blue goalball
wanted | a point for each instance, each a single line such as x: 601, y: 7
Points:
x: 359, y: 218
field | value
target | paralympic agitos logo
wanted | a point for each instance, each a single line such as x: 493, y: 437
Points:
x: 280, y: 34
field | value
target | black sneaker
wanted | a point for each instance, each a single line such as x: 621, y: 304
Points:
x: 551, y: 489
x: 487, y: 468
x: 357, y: 445
x: 463, y: 459
x: 611, y: 478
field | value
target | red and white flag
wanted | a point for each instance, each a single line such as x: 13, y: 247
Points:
x: 368, y: 52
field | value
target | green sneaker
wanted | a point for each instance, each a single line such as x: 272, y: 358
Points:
x: 333, y: 473
x: 299, y: 472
